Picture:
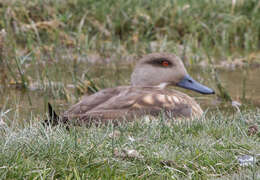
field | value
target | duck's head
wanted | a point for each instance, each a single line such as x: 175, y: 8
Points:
x: 164, y: 69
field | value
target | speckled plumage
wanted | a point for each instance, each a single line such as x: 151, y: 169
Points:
x: 127, y: 102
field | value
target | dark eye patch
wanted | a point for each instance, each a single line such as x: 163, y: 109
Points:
x: 160, y: 62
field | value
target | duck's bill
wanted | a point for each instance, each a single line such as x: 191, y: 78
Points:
x: 188, y: 83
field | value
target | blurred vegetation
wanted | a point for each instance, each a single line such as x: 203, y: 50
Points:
x: 218, y: 26
x: 42, y: 40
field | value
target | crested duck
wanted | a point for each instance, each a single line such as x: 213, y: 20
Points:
x: 147, y: 95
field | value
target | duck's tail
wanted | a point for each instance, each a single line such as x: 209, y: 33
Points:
x: 53, y: 118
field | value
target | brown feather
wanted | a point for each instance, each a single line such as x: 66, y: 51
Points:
x: 126, y: 102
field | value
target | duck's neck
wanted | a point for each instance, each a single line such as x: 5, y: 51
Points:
x: 160, y: 86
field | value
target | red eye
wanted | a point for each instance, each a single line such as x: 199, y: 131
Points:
x: 165, y: 63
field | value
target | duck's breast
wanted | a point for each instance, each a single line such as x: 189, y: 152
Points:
x: 175, y: 102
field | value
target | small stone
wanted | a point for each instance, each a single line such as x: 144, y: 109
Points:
x: 252, y: 130
x: 246, y: 160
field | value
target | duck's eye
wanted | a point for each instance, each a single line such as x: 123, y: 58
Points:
x: 160, y: 62
x: 165, y: 63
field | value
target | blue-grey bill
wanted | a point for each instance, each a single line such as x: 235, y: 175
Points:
x: 188, y: 83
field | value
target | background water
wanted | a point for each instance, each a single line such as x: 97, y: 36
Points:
x: 242, y: 84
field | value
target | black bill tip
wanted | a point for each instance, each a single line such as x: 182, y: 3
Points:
x: 188, y: 83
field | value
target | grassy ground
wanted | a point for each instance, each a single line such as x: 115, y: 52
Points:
x: 220, y: 26
x: 47, y: 47
x: 203, y: 149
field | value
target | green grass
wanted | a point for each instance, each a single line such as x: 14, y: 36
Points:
x: 125, y: 27
x: 201, y: 149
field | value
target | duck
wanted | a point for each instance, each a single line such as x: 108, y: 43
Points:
x: 148, y: 94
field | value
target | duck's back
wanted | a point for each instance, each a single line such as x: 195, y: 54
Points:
x: 128, y: 102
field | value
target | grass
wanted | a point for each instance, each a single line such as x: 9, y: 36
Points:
x: 125, y: 27
x: 202, y: 149
x: 59, y: 50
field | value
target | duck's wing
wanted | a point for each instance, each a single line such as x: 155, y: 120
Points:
x: 87, y: 103
x: 112, y: 103
x: 137, y: 101
x: 129, y: 102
